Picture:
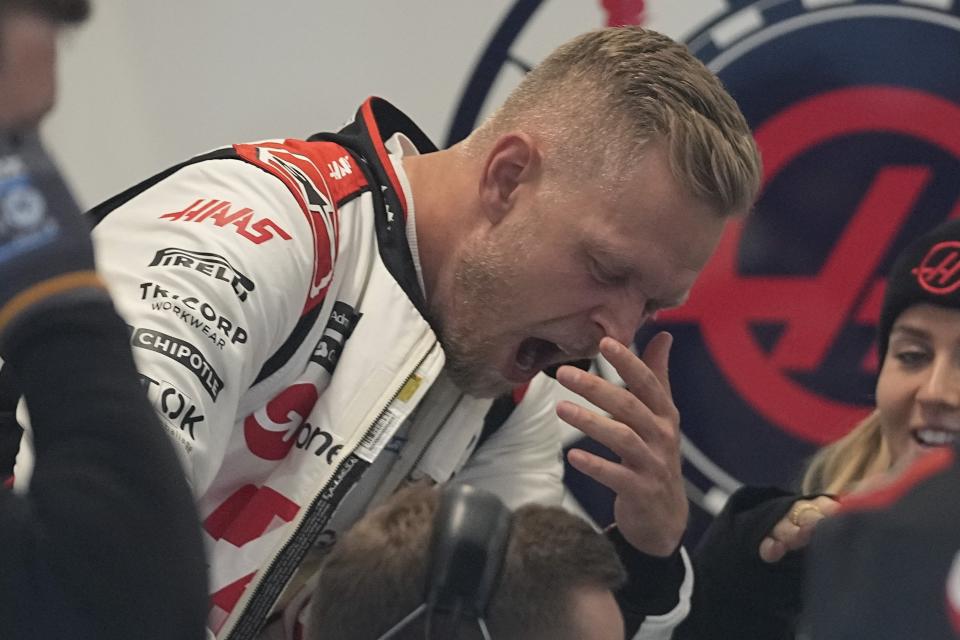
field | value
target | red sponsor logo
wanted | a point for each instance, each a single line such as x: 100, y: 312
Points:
x: 939, y: 271
x: 223, y: 601
x: 269, y: 432
x: 219, y: 213
x: 248, y: 513
x: 297, y: 164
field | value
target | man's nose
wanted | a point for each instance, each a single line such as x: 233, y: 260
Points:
x: 623, y: 318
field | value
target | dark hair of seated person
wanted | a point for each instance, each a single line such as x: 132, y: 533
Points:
x: 376, y: 575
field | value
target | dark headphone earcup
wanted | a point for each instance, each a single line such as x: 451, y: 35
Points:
x: 470, y: 535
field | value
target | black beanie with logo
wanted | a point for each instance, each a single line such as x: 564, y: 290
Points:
x: 927, y: 272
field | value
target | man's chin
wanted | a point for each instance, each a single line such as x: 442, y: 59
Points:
x: 487, y: 390
x: 490, y: 384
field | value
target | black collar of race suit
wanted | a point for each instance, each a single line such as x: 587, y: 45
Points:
x: 376, y: 121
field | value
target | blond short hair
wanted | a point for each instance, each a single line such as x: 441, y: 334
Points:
x: 612, y: 91
x: 841, y: 466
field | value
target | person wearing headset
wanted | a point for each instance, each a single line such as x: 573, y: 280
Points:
x: 556, y: 581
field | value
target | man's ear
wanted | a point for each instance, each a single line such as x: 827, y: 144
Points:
x: 513, y: 161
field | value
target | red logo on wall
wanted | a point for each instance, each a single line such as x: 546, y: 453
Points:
x: 814, y: 309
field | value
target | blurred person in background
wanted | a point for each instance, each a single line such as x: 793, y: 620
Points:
x: 750, y: 565
x: 887, y: 567
x: 104, y: 545
x: 28, y: 88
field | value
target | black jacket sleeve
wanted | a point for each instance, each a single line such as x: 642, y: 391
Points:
x: 653, y: 583
x: 106, y: 543
x: 10, y: 431
x: 737, y: 595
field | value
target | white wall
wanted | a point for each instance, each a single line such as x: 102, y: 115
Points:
x: 147, y: 84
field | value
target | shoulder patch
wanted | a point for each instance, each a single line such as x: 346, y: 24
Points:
x: 320, y: 175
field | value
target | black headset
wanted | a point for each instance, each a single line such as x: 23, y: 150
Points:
x: 471, y: 529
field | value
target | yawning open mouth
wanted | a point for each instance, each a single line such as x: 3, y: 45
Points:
x: 534, y: 354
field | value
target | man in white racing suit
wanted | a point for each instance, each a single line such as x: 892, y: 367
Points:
x: 318, y: 322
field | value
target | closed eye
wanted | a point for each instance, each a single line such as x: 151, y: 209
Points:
x: 653, y: 306
x: 606, y: 275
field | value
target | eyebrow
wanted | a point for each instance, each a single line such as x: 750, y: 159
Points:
x: 910, y: 331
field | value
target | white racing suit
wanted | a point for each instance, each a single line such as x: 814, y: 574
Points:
x: 276, y: 320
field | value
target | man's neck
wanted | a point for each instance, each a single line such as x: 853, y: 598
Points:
x: 442, y: 190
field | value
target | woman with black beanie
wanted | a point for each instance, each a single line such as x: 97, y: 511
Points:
x: 749, y: 566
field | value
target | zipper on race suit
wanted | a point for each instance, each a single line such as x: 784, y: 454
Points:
x: 246, y: 626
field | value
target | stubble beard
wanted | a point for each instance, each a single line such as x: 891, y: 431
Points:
x: 467, y: 323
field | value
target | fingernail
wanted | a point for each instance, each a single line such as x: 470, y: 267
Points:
x: 566, y: 410
x: 610, y: 346
x: 577, y: 458
x: 568, y: 375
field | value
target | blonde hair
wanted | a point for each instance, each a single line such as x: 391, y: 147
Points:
x: 840, y: 466
x: 612, y: 91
